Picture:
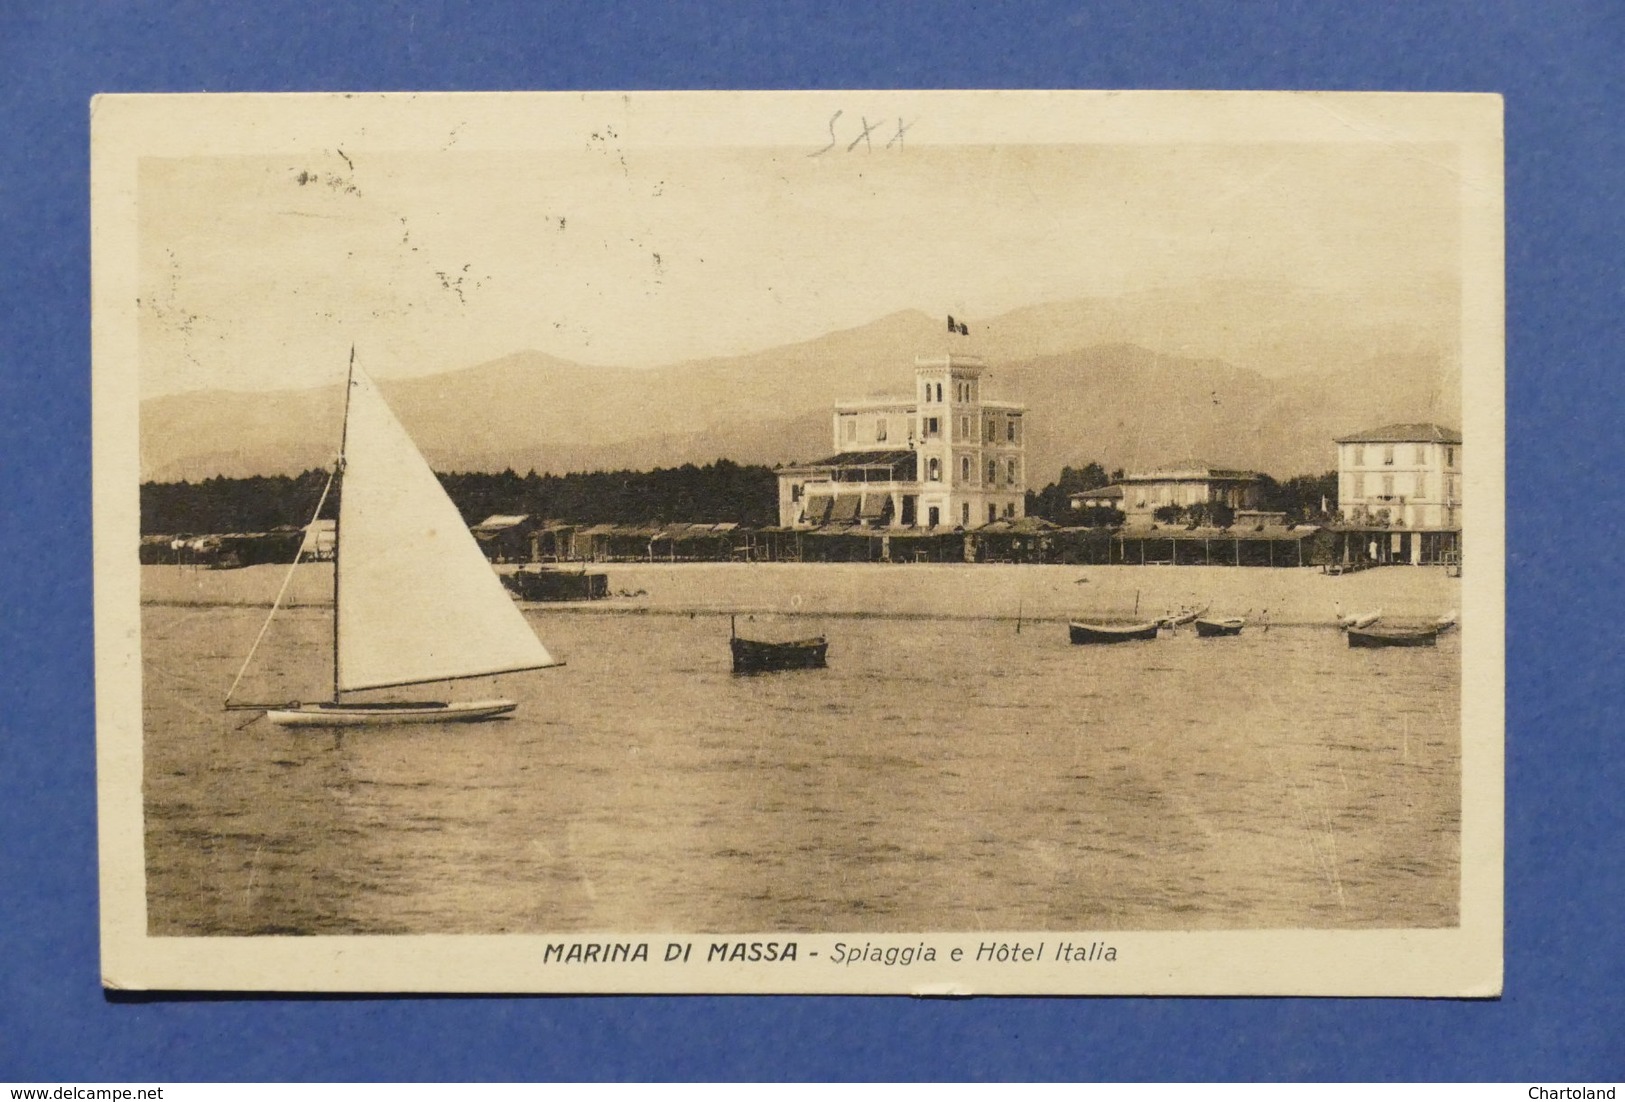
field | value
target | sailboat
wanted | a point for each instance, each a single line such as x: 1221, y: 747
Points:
x: 414, y: 600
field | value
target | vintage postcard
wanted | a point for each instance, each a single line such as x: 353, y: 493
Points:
x: 892, y: 542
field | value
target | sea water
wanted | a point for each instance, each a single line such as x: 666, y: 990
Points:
x: 941, y: 774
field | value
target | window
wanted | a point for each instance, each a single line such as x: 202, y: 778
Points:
x: 991, y: 428
x: 964, y: 428
x: 931, y: 427
x: 964, y: 513
x: 939, y: 392
x: 1450, y: 491
x: 849, y: 428
x: 1359, y: 485
x: 1388, y: 455
x: 935, y: 516
x: 964, y: 468
x: 1387, y: 485
x: 1450, y: 457
x: 992, y: 513
x: 1421, y: 453
x: 1010, y: 510
x: 933, y: 469
x: 1421, y: 484
x: 880, y: 431
x: 795, y: 491
x: 1010, y: 430
x: 1010, y: 472
x: 1359, y: 455
x: 992, y: 471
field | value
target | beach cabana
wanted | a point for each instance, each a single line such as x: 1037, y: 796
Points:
x: 592, y: 542
x: 1024, y: 540
x: 1078, y: 545
x: 939, y: 544
x: 505, y: 537
x: 1255, y: 545
x: 844, y: 543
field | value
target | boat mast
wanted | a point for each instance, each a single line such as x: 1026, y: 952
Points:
x: 344, y: 440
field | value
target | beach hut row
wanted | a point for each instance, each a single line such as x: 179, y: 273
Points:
x: 519, y: 539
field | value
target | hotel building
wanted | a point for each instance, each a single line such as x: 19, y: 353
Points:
x: 947, y: 457
x: 1399, y: 486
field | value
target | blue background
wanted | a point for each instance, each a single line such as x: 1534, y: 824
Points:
x: 1560, y: 66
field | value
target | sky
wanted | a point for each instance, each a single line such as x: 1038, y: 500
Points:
x: 258, y: 272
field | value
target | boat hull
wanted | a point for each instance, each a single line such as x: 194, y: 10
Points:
x: 1393, y: 637
x: 1111, y: 633
x: 1212, y: 629
x: 557, y: 585
x: 754, y: 656
x: 1182, y: 617
x: 388, y: 715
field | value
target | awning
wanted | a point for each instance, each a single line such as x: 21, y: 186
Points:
x: 846, y: 508
x: 818, y: 509
x: 1271, y: 532
x: 499, y: 522
x: 875, y: 506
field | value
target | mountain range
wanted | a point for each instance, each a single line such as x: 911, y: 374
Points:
x: 1255, y: 377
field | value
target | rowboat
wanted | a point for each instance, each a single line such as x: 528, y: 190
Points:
x: 1226, y: 625
x: 1182, y: 617
x: 758, y: 656
x: 1355, y: 619
x: 557, y: 585
x: 755, y: 656
x: 1394, y: 637
x: 1112, y: 633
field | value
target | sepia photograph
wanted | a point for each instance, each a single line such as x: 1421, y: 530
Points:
x: 878, y: 542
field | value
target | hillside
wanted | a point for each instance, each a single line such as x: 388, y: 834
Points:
x: 1092, y: 396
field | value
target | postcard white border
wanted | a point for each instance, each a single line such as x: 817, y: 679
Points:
x: 1462, y: 961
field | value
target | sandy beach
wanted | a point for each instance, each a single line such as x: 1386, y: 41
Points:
x: 951, y: 591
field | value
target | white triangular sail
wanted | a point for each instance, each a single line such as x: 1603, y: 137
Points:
x: 417, y: 600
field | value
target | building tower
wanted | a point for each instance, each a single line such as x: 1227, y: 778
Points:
x: 970, y: 450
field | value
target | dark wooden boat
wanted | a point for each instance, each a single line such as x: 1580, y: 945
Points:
x: 1220, y: 625
x: 1394, y: 637
x: 756, y: 656
x: 1112, y: 633
x: 557, y: 585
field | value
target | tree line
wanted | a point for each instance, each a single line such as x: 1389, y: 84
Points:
x: 719, y: 491
x: 716, y: 492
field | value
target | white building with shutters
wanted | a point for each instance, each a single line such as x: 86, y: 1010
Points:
x: 949, y: 457
x: 1399, y: 493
